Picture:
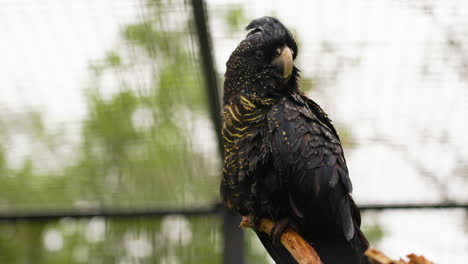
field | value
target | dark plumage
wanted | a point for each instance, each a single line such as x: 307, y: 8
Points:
x: 283, y: 157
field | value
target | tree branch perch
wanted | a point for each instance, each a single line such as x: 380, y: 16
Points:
x: 377, y: 257
x: 304, y: 253
x: 301, y: 251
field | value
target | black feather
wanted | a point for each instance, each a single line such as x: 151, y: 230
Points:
x: 278, y: 254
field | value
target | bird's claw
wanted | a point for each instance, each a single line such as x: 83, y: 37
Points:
x: 249, y: 221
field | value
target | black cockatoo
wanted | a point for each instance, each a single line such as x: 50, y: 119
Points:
x: 283, y: 157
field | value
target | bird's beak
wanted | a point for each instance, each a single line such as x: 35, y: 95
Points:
x: 284, y: 62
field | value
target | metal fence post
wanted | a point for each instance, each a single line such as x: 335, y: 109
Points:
x: 233, y: 238
x: 207, y: 62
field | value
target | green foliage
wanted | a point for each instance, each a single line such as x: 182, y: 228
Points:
x: 113, y: 59
x: 307, y: 84
x: 135, y: 149
x: 235, y: 18
x: 374, y: 233
x: 143, y: 35
x: 346, y: 138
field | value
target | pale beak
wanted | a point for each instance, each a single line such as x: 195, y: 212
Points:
x: 284, y: 62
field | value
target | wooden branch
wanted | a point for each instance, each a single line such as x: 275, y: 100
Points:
x: 377, y: 257
x: 304, y: 253
x: 301, y: 251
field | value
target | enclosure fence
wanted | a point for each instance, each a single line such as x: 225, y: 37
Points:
x: 233, y: 236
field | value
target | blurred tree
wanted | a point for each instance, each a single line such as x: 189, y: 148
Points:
x: 139, y: 147
x: 235, y: 19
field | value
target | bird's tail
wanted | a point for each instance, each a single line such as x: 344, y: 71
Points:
x: 278, y: 253
x: 338, y: 250
x: 332, y: 249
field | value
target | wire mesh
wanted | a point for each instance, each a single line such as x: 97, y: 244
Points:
x: 103, y: 106
x: 133, y: 134
x: 144, y: 132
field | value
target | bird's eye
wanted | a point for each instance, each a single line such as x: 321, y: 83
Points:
x: 278, y: 51
x: 259, y: 55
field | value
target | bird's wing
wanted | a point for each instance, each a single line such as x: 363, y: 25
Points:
x: 308, y: 152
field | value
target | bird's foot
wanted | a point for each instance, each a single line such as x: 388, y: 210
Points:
x: 279, y: 228
x: 249, y: 221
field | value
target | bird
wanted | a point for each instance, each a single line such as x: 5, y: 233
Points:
x: 283, y: 158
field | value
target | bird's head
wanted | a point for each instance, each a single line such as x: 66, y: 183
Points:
x: 262, y: 65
